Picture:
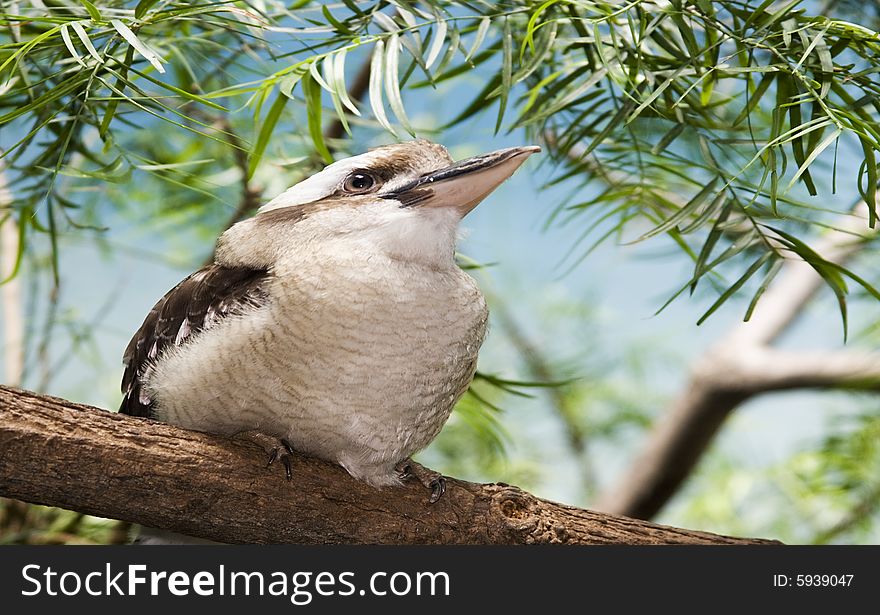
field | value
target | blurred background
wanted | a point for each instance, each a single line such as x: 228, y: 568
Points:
x: 134, y: 133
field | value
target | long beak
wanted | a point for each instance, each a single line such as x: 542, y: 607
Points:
x: 464, y: 184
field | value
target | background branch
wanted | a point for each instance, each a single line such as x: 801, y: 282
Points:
x: 737, y: 367
x: 64, y: 454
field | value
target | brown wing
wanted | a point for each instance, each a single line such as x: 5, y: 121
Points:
x: 198, y: 302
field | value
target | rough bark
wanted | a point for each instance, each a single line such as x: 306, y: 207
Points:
x: 64, y: 454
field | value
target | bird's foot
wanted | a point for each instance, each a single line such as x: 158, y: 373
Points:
x: 276, y: 448
x: 431, y: 479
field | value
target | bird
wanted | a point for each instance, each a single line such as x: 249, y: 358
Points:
x: 335, y: 322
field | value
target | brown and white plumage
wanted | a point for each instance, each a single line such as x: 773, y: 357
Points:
x: 335, y: 318
x: 200, y: 301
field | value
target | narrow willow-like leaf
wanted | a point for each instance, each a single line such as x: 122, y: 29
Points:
x: 670, y: 136
x: 385, y: 22
x: 480, y: 36
x: 797, y: 148
x: 65, y: 36
x: 539, y: 56
x: 700, y: 266
x: 316, y: 75
x: 704, y: 216
x: 86, y: 41
x: 289, y: 81
x: 339, y: 26
x: 339, y: 82
x: 436, y: 43
x: 119, y: 88
x: 94, y: 13
x: 266, y: 130
x: 392, y: 87
x: 870, y: 192
x: 25, y: 48
x: 454, y: 42
x: 687, y: 210
x: 775, y: 267
x: 377, y: 71
x: 829, y: 272
x: 532, y: 27
x: 312, y: 95
x: 335, y: 87
x: 142, y: 7
x: 813, y: 155
x: 506, y: 72
x: 753, y: 268
x: 151, y: 56
x: 755, y: 97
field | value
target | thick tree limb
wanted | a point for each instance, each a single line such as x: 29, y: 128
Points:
x: 59, y: 453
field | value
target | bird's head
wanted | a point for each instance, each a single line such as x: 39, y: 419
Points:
x: 405, y: 200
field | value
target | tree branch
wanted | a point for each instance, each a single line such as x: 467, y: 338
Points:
x: 737, y: 367
x: 60, y: 453
x: 740, y: 365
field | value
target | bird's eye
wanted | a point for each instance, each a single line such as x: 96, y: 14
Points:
x: 358, y: 183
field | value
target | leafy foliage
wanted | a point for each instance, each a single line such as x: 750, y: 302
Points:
x: 705, y: 121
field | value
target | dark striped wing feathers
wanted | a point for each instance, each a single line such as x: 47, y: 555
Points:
x: 198, y: 302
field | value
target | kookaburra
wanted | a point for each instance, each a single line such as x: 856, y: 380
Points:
x: 335, y: 320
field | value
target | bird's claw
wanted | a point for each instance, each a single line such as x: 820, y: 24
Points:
x: 276, y: 448
x: 432, y: 480
x: 283, y: 452
x: 438, y: 488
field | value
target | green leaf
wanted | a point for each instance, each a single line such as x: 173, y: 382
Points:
x: 26, y: 47
x: 436, y: 43
x: 151, y: 56
x: 668, y: 138
x: 775, y: 267
x: 65, y: 36
x: 809, y: 160
x: 377, y: 72
x: 687, y: 210
x: 829, y: 271
x: 506, y: 72
x: 312, y: 94
x: 700, y: 266
x: 331, y: 78
x: 392, y: 87
x: 755, y: 97
x: 869, y: 194
x: 94, y: 13
x: 120, y: 86
x: 482, y: 29
x: 266, y: 130
x: 531, y: 28
x: 736, y: 286
x: 142, y: 7
x: 84, y: 37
